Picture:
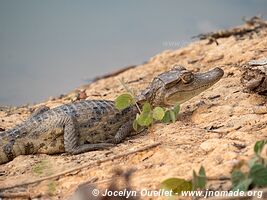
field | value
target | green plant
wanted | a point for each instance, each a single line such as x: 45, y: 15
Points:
x: 42, y: 168
x: 199, y: 180
x: 241, y: 181
x: 147, y: 115
x: 177, y: 185
x: 51, y: 188
x: 257, y: 173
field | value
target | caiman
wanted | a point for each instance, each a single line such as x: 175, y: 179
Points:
x: 96, y: 124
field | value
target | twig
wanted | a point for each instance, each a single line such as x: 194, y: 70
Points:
x: 15, y: 195
x: 221, y: 178
x: 83, y: 166
x: 115, y: 73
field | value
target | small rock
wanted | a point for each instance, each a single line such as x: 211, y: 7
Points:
x: 200, y: 103
x: 214, y: 97
x: 239, y: 146
x: 209, y: 145
x: 230, y: 74
x: 82, y: 95
x: 260, y: 109
x: 51, y: 98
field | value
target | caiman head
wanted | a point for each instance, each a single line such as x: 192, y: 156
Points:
x: 178, y: 86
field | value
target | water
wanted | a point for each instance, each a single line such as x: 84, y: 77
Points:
x: 51, y: 47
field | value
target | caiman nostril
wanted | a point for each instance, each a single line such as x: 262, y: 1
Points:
x: 219, y: 71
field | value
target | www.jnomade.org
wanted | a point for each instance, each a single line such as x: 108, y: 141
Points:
x: 132, y: 193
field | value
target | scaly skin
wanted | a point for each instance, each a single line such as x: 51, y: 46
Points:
x: 96, y: 124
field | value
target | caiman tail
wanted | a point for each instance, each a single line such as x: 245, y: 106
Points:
x: 11, y: 145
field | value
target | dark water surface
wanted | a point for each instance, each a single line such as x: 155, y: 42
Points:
x: 51, y: 47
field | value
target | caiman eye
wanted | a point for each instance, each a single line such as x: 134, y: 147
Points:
x: 178, y: 67
x: 187, y: 77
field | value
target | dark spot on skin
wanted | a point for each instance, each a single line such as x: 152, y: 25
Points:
x: 29, y: 148
x: 72, y: 110
x: 39, y: 119
x: 94, y: 133
x: 112, y: 121
x: 98, y: 112
x: 125, y: 111
x: 89, y: 125
x: 53, y: 143
x: 118, y: 115
x: 95, y: 119
x: 62, y: 148
x: 86, y: 125
x: 12, y: 141
x: 106, y: 128
x: 76, y: 115
x: 42, y: 145
x: 8, y: 151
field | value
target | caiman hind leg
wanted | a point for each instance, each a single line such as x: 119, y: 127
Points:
x: 71, y: 139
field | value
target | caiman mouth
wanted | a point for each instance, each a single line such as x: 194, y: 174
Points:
x: 182, y: 92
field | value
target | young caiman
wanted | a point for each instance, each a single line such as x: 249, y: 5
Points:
x: 96, y: 124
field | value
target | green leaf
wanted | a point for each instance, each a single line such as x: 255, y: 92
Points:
x: 259, y: 146
x: 253, y: 161
x: 258, y: 174
x: 202, y: 179
x: 176, y: 109
x: 176, y: 185
x: 194, y: 181
x: 199, y: 181
x: 236, y: 177
x: 158, y: 113
x: 167, y: 117
x: 173, y: 117
x: 124, y: 101
x: 135, y: 125
x: 145, y: 120
x: 243, y: 185
x: 146, y: 108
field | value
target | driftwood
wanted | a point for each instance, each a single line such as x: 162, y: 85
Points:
x: 254, y: 77
x: 111, y: 74
x: 251, y: 25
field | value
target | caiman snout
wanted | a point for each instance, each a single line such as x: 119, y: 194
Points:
x: 214, y: 75
x: 185, y: 90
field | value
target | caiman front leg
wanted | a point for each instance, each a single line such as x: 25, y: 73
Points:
x: 123, y: 132
x: 71, y: 139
